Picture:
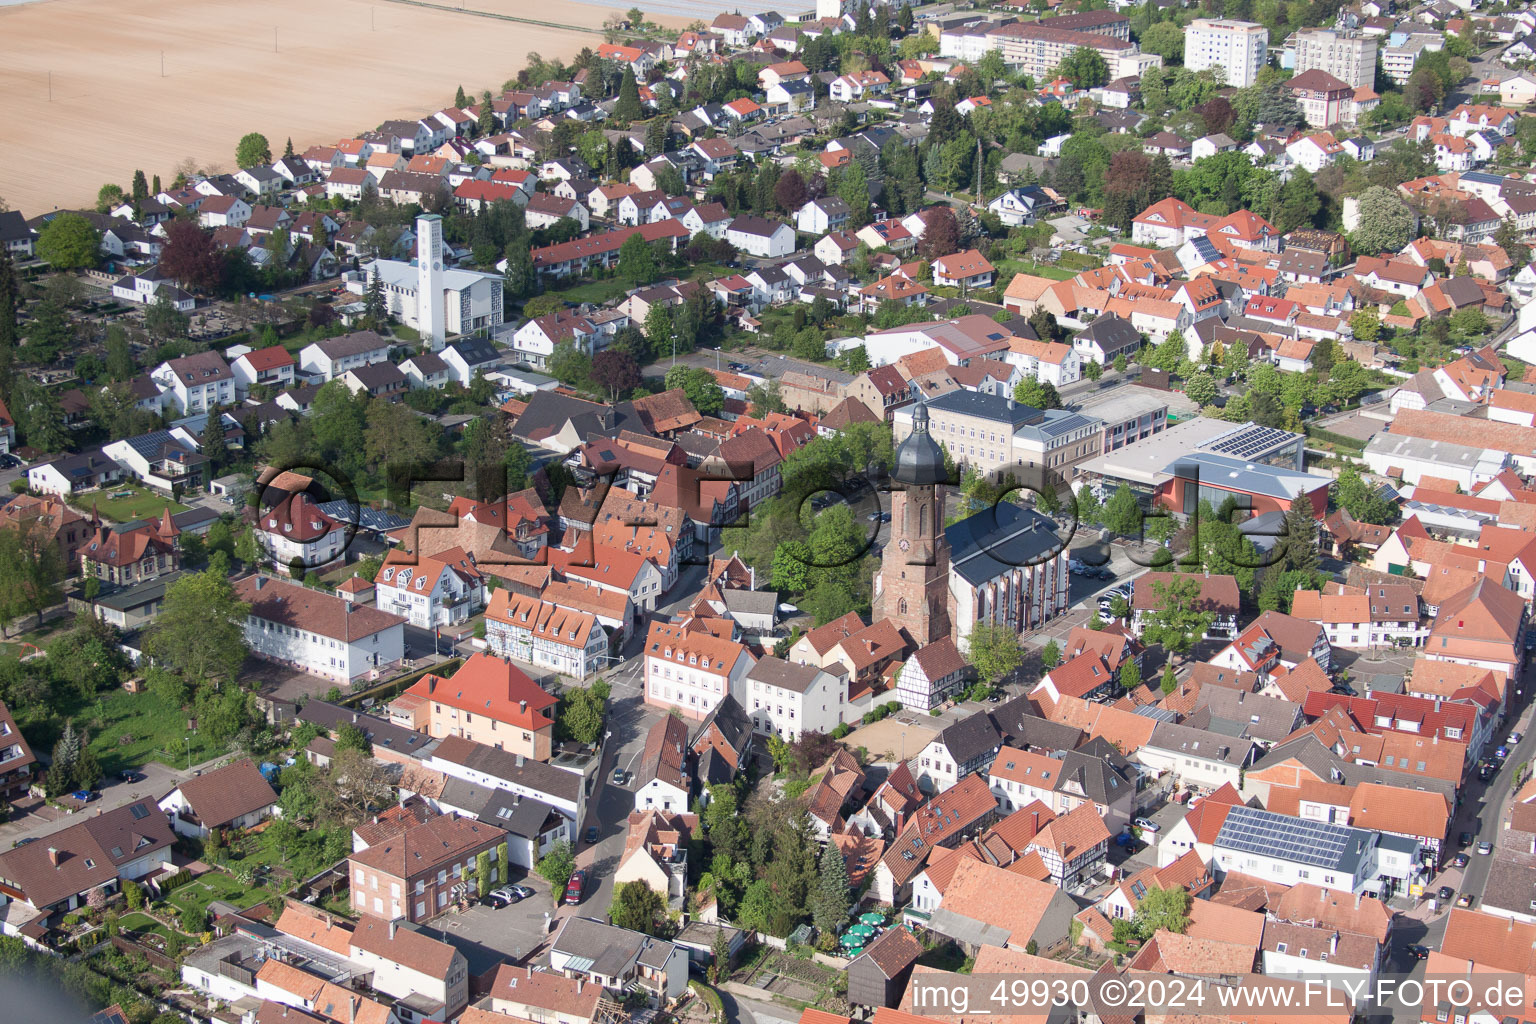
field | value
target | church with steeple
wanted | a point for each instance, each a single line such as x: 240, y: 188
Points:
x: 912, y: 588
x: 1005, y: 565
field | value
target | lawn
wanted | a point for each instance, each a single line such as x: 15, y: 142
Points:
x: 1051, y: 271
x: 142, y: 504
x: 610, y: 288
x: 126, y: 729
x: 216, y: 885
x: 142, y: 924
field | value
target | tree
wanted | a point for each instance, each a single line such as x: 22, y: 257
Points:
x: 1122, y: 513
x: 108, y: 196
x: 69, y: 242
x: 1130, y: 675
x: 638, y: 907
x: 1361, y: 502
x: 1366, y: 325
x: 191, y: 258
x: 1162, y: 910
x: 200, y: 633
x: 1385, y: 222
x: 941, y: 234
x: 616, y: 372
x: 1200, y: 388
x: 994, y: 649
x: 31, y: 569
x: 1166, y: 39
x: 252, y: 150
x: 1170, y: 681
x: 37, y: 414
x: 1297, y: 546
x: 582, y: 710
x: 627, y: 108
x: 555, y: 867
x: 1037, y: 394
x: 637, y: 261
x: 1085, y: 68
x: 829, y: 902
x: 789, y: 193
x: 1176, y: 623
x: 699, y: 385
x: 350, y: 737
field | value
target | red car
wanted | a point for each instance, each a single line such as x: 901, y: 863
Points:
x: 573, y: 887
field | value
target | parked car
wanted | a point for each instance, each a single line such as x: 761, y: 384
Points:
x: 1484, y: 848
x: 503, y: 897
x: 24, y: 842
x: 1464, y: 840
x: 85, y: 796
x: 1147, y: 826
x: 618, y: 777
x: 574, y: 887
x: 130, y: 776
x: 522, y: 891
x: 1459, y: 861
x: 592, y: 834
x: 1446, y: 892
x: 1464, y: 900
x: 1501, y: 753
x: 1515, y: 737
x: 1417, y: 951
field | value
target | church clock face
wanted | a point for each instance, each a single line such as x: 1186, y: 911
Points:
x: 905, y: 544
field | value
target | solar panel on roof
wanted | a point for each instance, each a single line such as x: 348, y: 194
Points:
x: 1249, y: 830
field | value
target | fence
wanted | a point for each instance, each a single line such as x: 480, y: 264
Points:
x: 156, y: 958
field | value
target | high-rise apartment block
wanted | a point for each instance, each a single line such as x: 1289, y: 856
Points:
x: 1238, y: 47
x: 1347, y: 56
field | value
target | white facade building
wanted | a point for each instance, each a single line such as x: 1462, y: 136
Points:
x: 317, y: 632
x: 1238, y: 47
x: 786, y: 700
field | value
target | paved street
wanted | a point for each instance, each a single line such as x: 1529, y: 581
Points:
x: 157, y: 782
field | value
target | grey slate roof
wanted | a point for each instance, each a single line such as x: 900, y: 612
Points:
x: 998, y: 540
x: 971, y: 737
x: 986, y: 406
x: 1021, y: 726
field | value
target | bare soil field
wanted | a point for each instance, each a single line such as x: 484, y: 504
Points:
x: 339, y: 67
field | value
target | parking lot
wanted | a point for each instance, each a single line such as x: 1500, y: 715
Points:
x: 488, y: 937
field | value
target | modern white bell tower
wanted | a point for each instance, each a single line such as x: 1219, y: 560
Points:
x: 429, y: 280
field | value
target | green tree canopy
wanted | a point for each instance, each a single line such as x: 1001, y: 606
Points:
x: 252, y: 150
x: 69, y: 242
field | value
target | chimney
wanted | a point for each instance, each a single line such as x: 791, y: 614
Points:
x: 261, y: 581
x: 394, y: 922
x: 1360, y: 896
x: 54, y: 856
x: 1333, y: 942
x: 522, y: 706
x: 519, y: 760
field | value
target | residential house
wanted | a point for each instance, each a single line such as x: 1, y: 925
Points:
x: 233, y: 796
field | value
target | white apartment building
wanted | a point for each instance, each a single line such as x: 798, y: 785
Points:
x: 785, y: 699
x: 196, y: 383
x: 317, y: 632
x: 430, y: 591
x: 1238, y: 47
x: 1347, y: 56
x: 692, y: 670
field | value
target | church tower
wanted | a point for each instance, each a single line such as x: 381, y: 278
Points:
x: 429, y: 280
x: 912, y: 589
